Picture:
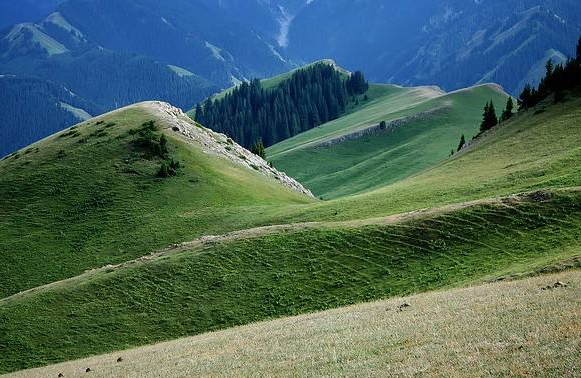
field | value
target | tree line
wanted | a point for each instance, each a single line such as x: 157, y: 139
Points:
x: 557, y: 80
x: 308, y: 98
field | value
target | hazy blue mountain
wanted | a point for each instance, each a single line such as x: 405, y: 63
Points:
x: 17, y: 11
x: 110, y: 53
x: 115, y: 52
x: 215, y: 39
x: 451, y: 43
x: 32, y: 109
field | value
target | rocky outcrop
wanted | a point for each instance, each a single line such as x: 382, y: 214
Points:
x: 175, y: 120
x: 380, y: 128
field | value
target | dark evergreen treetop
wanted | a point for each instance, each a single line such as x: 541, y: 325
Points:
x: 462, y: 143
x: 309, y: 98
x: 489, y: 119
x: 507, y: 113
x: 556, y: 80
x: 258, y: 149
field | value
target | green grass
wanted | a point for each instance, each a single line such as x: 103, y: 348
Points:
x: 532, y: 151
x: 220, y: 285
x: 78, y: 209
x: 87, y: 197
x: 374, y: 161
x: 503, y: 329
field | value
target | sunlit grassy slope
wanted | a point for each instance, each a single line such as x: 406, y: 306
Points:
x: 77, y: 215
x: 215, y: 285
x: 537, y: 149
x: 87, y: 197
x: 372, y: 161
x: 507, y: 329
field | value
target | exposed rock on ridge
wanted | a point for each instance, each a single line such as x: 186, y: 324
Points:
x: 175, y: 120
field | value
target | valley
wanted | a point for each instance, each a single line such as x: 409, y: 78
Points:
x: 300, y: 219
x: 251, y: 249
x: 426, y: 124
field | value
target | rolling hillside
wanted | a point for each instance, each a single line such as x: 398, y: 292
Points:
x: 217, y: 283
x: 78, y: 194
x: 316, y: 255
x: 353, y: 154
x: 500, y: 329
x: 536, y: 149
x: 142, y: 226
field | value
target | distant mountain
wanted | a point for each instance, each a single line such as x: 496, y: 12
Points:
x: 112, y: 53
x: 17, y: 11
x: 450, y: 43
x: 42, y: 106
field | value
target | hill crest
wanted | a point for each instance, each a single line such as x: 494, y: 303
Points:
x: 176, y: 121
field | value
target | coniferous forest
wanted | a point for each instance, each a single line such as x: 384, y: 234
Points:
x: 309, y: 98
x: 557, y: 79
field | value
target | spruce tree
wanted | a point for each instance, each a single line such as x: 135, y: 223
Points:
x: 579, y: 51
x: 507, y: 113
x: 484, y: 124
x: 524, y: 100
x: 258, y: 149
x: 462, y: 142
x: 489, y: 118
x: 198, y: 115
x: 549, y: 67
x: 492, y: 118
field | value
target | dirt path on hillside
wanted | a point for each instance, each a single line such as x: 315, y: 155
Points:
x: 203, y: 244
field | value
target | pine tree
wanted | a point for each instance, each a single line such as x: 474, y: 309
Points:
x: 462, y: 142
x: 489, y: 118
x: 199, y: 113
x: 258, y: 149
x: 163, y: 151
x: 484, y: 124
x: 507, y: 113
x: 549, y: 67
x: 524, y: 100
x: 492, y: 118
x: 579, y: 51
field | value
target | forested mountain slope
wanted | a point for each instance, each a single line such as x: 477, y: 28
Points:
x: 449, y: 43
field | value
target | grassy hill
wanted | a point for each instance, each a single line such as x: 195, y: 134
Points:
x: 68, y: 203
x: 501, y: 329
x: 117, y: 257
x: 535, y: 150
x: 217, y: 283
x: 339, y: 158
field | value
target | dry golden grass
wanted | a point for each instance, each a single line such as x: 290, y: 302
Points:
x: 507, y: 329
